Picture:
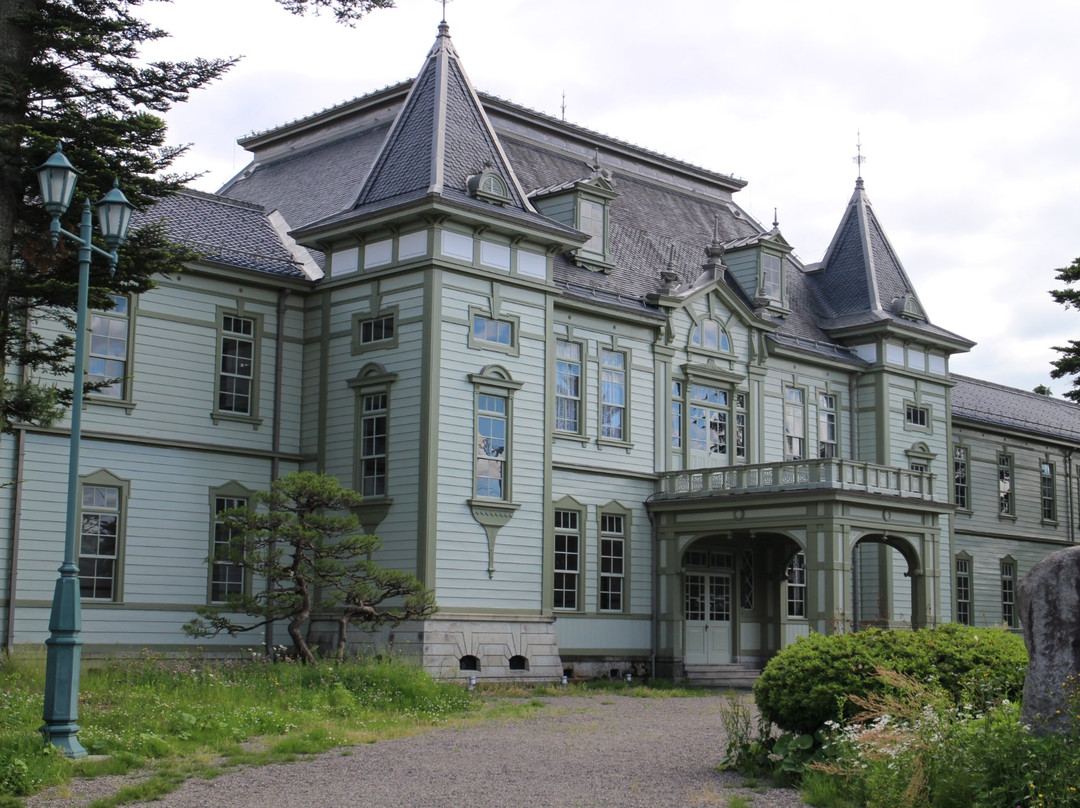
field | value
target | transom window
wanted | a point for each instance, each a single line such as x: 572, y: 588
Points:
x: 567, y: 559
x: 612, y: 561
x: 99, y: 542
x: 373, y: 443
x: 613, y: 395
x: 500, y: 332
x: 567, y: 386
x: 491, y: 457
x: 377, y: 329
x: 711, y: 336
x: 826, y: 425
x: 960, y: 477
x: 796, y: 586
x: 237, y: 364
x: 794, y: 425
x: 108, y: 355
x: 226, y: 577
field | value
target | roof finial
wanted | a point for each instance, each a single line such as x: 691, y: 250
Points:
x: 775, y: 220
x: 564, y: 105
x: 858, y: 159
x: 444, y: 2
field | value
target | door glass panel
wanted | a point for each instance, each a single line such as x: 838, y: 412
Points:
x: 720, y: 598
x: 695, y: 597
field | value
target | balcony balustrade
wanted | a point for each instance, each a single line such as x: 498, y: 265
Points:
x: 797, y: 475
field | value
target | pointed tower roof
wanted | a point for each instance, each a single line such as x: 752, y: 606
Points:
x: 442, y: 148
x: 861, y: 281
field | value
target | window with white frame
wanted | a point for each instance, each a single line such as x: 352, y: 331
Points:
x: 961, y: 492
x: 491, y: 445
x: 373, y: 330
x: 612, y: 562
x: 567, y: 558
x: 708, y: 420
x: 916, y: 416
x: 568, y: 388
x: 1047, y: 491
x: 676, y: 415
x: 108, y: 355
x: 487, y: 329
x: 1005, y: 485
x: 373, y: 444
x: 1008, y: 592
x: 796, y: 586
x: 740, y: 425
x: 963, y: 590
x: 710, y: 336
x: 227, y: 577
x: 826, y: 425
x: 770, y: 276
x: 100, y: 538
x: 613, y: 395
x: 236, y: 375
x: 592, y: 221
x: 794, y: 424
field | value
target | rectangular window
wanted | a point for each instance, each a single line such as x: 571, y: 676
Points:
x: 796, y: 586
x: 226, y: 577
x: 960, y: 477
x: 373, y: 422
x: 676, y: 415
x: 1008, y: 593
x: 237, y: 369
x: 708, y: 420
x: 916, y: 416
x: 591, y: 222
x: 499, y: 332
x: 567, y: 559
x: 99, y: 542
x: 108, y: 356
x: 491, y: 446
x: 963, y: 591
x: 613, y: 395
x: 794, y: 425
x: 1047, y: 491
x: 1005, y: 485
x: 740, y: 425
x: 377, y: 329
x: 770, y: 276
x: 567, y: 386
x: 746, y: 579
x: 612, y: 562
x: 826, y: 425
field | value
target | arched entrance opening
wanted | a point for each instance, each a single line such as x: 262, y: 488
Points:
x: 886, y: 583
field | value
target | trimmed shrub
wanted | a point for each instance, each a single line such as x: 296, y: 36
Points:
x: 809, y: 682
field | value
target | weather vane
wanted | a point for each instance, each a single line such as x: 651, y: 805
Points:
x: 444, y: 2
x: 858, y: 159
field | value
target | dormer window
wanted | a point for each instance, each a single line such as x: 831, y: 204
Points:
x: 770, y: 276
x: 489, y: 187
x: 710, y: 336
x: 591, y: 220
x: 584, y: 205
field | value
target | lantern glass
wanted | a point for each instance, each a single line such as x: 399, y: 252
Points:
x: 56, y: 178
x: 114, y: 216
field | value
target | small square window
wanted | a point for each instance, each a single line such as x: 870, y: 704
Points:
x: 488, y: 330
x: 917, y: 416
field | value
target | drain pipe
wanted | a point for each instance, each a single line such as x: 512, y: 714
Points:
x: 654, y: 622
x: 16, y: 519
x: 275, y: 440
x: 1069, y: 494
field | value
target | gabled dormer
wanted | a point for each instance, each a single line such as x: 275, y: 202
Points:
x: 584, y: 205
x: 760, y: 263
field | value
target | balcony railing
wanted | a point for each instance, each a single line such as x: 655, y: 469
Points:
x: 797, y: 475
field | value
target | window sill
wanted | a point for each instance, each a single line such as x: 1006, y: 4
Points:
x: 574, y: 437
x: 1049, y: 523
x: 614, y: 443
x: 1008, y: 517
x: 126, y: 404
x: 217, y: 417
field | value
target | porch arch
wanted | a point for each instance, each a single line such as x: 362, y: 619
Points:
x: 881, y: 563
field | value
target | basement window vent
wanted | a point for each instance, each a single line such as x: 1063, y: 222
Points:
x: 469, y: 663
x: 519, y: 663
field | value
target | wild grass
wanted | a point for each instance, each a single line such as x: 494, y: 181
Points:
x: 170, y: 719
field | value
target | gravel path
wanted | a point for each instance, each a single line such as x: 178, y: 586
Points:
x: 593, y: 751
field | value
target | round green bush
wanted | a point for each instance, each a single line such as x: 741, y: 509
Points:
x: 808, y: 683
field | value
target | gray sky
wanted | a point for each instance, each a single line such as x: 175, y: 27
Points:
x: 969, y: 113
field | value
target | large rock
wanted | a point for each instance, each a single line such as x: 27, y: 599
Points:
x: 1049, y: 599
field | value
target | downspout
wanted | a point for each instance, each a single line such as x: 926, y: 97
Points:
x: 654, y: 621
x: 853, y: 430
x: 1069, y: 495
x: 16, y: 520
x: 275, y: 440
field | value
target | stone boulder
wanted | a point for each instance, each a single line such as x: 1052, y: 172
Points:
x: 1049, y: 600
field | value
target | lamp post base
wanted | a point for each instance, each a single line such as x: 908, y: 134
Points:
x: 62, y: 661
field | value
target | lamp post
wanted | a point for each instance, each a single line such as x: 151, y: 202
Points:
x: 57, y: 178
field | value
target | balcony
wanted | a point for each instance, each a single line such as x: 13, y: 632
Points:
x: 797, y: 475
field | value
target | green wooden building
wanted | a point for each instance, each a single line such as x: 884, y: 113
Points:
x: 611, y: 420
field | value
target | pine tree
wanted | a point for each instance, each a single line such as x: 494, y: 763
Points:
x: 1069, y: 362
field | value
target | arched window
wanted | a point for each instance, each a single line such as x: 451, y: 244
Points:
x: 469, y: 663
x: 711, y: 336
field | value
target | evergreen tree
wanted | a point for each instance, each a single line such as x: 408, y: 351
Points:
x: 301, y: 545
x: 71, y: 72
x: 1069, y: 362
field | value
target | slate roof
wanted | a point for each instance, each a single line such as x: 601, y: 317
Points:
x: 224, y: 231
x: 1010, y: 408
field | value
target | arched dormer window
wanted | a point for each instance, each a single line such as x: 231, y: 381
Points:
x: 711, y: 336
x: 490, y: 187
